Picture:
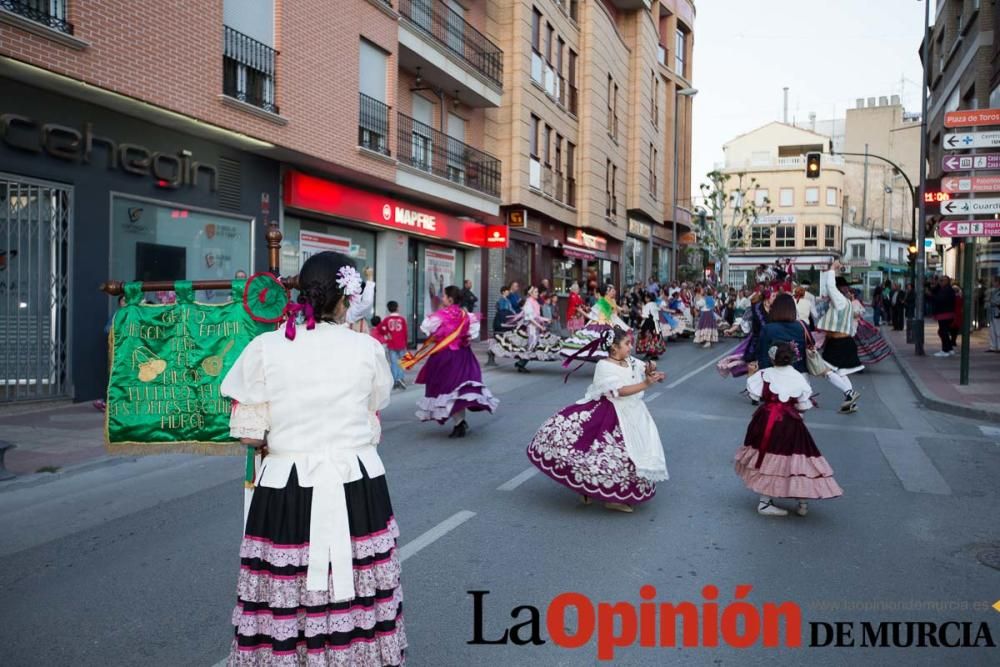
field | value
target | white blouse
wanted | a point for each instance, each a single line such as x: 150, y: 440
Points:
x: 314, y: 400
x: 784, y: 381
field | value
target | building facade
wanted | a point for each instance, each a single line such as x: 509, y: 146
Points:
x: 963, y: 72
x: 587, y: 146
x: 804, y: 216
x: 135, y: 150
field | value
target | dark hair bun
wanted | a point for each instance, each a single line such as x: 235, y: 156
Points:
x: 318, y: 281
x: 784, y: 355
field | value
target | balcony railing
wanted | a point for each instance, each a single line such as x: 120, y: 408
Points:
x: 249, y: 69
x: 373, y: 125
x: 427, y: 149
x: 50, y: 13
x: 447, y: 27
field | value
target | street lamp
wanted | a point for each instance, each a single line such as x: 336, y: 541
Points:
x: 686, y: 92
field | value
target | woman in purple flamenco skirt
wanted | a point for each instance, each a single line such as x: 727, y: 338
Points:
x: 779, y: 458
x: 452, y: 378
x: 606, y: 446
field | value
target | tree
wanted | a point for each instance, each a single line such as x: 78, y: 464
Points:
x: 732, y: 209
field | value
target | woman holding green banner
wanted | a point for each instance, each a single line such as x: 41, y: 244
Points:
x: 319, y: 574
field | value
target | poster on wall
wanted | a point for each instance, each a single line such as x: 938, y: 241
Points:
x: 439, y: 272
x: 311, y: 243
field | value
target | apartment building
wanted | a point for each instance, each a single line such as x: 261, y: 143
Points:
x: 963, y: 72
x: 155, y: 141
x: 805, y: 218
x: 587, y: 136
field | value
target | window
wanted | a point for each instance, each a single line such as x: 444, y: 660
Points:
x: 785, y: 236
x: 655, y: 99
x: 679, y: 52
x: 883, y: 252
x: 899, y: 255
x: 560, y: 185
x: 549, y: 33
x: 547, y: 146
x: 736, y: 199
x: 652, y: 171
x: 560, y: 77
x: 786, y: 197
x: 612, y: 108
x: 812, y: 196
x: 830, y: 236
x: 831, y: 196
x: 373, y: 118
x: 571, y: 78
x: 536, y: 46
x: 760, y: 236
x: 533, y: 137
x: 811, y: 238
x: 574, y: 9
x: 607, y: 189
x: 760, y: 197
x: 857, y: 251
x: 611, y: 210
x: 570, y: 179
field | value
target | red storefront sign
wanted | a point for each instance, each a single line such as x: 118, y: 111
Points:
x: 589, y: 241
x: 309, y: 193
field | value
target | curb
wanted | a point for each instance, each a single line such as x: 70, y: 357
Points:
x: 929, y: 400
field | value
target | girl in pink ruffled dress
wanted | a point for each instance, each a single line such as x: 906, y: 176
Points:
x: 779, y: 458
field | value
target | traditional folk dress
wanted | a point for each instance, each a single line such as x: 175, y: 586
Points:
x: 319, y: 572
x: 872, y: 346
x: 708, y: 327
x: 651, y: 332
x: 574, y: 313
x: 779, y: 458
x: 839, y: 321
x: 530, y: 340
x: 584, y: 345
x: 605, y: 446
x: 452, y: 378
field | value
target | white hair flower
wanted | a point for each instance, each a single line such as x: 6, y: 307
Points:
x: 349, y: 280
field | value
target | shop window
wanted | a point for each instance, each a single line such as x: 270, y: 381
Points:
x: 564, y: 273
x: 157, y: 241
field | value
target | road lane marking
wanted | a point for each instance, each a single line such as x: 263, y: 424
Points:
x: 414, y: 546
x: 910, y: 463
x: 517, y: 481
x: 653, y: 396
x: 990, y: 430
x: 690, y: 375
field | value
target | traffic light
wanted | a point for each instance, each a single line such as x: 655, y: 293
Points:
x: 912, y: 257
x: 813, y: 165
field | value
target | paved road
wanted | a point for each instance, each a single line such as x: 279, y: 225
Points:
x: 135, y: 563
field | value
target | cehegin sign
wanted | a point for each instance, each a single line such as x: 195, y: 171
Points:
x: 72, y: 145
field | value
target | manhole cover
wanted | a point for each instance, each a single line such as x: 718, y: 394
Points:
x: 990, y: 557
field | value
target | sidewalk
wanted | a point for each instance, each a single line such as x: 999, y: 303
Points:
x: 52, y: 435
x: 936, y: 380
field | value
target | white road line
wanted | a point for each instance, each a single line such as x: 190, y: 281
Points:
x: 990, y: 430
x: 910, y: 463
x: 653, y: 396
x: 517, y: 481
x: 690, y: 375
x: 414, y: 546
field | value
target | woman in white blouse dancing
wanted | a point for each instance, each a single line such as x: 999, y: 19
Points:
x: 319, y: 575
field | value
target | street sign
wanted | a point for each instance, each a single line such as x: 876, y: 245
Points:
x: 971, y: 184
x: 988, y: 205
x: 972, y: 118
x: 961, y: 140
x: 971, y: 228
x: 967, y: 162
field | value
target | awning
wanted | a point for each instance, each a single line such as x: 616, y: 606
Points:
x: 578, y: 253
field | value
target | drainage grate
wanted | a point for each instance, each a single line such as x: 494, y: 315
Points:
x: 989, y: 556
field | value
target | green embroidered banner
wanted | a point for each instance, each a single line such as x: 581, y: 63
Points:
x: 167, y: 362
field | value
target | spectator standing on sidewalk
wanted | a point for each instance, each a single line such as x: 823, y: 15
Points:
x: 469, y: 298
x: 501, y: 320
x: 516, y: 300
x: 994, y: 315
x: 943, y: 310
x: 394, y: 333
x: 910, y: 301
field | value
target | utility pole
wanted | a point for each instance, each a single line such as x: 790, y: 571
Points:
x: 918, y: 283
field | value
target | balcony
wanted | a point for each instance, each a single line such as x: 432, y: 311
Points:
x: 49, y: 13
x: 248, y: 70
x: 422, y: 147
x: 373, y: 125
x: 629, y: 5
x: 451, y: 54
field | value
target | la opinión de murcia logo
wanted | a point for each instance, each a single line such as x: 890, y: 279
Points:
x: 572, y: 620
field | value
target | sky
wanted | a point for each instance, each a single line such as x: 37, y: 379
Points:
x: 828, y: 53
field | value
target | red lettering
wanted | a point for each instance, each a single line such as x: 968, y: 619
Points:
x: 607, y: 640
x: 555, y: 620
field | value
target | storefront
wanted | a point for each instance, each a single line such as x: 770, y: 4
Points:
x: 743, y: 268
x: 636, y: 255
x: 415, y: 251
x: 589, y: 259
x: 88, y: 194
